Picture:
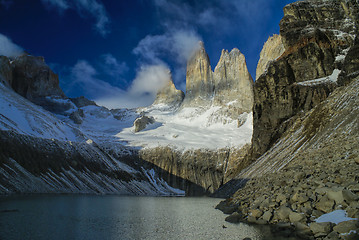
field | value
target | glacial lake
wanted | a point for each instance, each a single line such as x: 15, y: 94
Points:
x: 118, y: 217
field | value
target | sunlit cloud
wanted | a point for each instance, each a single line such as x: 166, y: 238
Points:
x: 8, y: 48
x: 94, y: 8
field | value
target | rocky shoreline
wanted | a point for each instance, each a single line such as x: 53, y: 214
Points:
x: 293, y: 198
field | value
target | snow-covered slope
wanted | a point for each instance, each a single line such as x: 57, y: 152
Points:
x: 45, y: 153
x: 190, y: 129
x: 20, y: 115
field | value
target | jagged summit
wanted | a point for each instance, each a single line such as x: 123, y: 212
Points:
x: 169, y: 95
x: 230, y: 82
x: 272, y: 49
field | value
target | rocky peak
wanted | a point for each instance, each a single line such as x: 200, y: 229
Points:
x: 273, y: 48
x: 232, y: 82
x: 169, y: 95
x: 33, y: 79
x: 199, y: 79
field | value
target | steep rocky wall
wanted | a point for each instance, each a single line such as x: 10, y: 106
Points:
x: 317, y: 36
x: 205, y: 168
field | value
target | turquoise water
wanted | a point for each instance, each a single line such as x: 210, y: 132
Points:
x: 117, y: 217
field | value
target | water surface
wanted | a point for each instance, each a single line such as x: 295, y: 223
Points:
x: 117, y: 217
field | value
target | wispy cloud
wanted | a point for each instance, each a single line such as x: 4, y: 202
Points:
x: 94, y: 8
x: 8, y: 48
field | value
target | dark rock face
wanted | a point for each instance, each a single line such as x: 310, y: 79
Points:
x: 316, y: 36
x: 33, y: 79
x: 350, y: 67
x: 5, y: 71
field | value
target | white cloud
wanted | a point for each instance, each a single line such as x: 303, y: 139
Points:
x: 141, y: 92
x: 8, y: 48
x: 176, y: 45
x: 94, y: 8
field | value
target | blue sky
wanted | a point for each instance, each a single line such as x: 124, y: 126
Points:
x: 119, y: 52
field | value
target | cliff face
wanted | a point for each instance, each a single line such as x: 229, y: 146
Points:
x: 272, y: 49
x: 233, y: 85
x: 317, y: 36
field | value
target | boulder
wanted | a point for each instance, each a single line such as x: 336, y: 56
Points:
x: 256, y: 213
x: 346, y: 227
x: 267, y: 216
x: 283, y: 213
x: 325, y: 204
x: 297, y: 217
x: 142, y: 122
x: 234, y: 218
x: 321, y: 229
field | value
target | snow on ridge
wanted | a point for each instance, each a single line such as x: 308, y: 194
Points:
x: 328, y: 79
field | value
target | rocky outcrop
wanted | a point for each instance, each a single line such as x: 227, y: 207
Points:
x: 5, y: 71
x: 272, y: 49
x: 316, y: 36
x: 33, y: 79
x: 169, y: 95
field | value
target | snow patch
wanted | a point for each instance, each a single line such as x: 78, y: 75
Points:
x: 336, y: 217
x: 191, y: 128
x: 328, y: 79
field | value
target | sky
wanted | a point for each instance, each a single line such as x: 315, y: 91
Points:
x: 120, y: 52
